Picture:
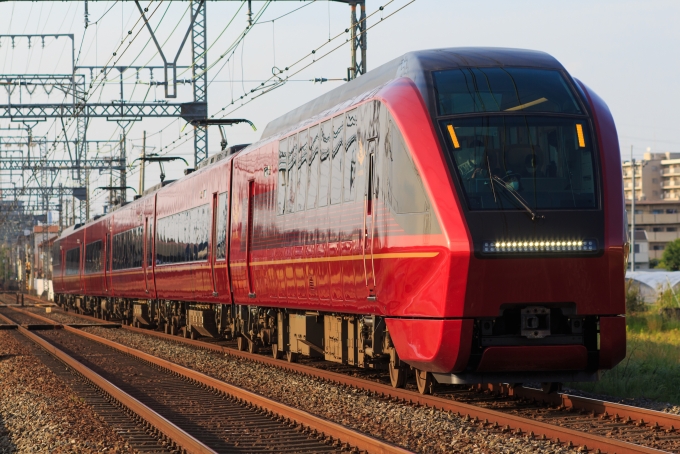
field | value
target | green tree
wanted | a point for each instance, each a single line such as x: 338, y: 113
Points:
x: 670, y: 259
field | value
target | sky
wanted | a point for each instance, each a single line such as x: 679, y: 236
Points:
x: 624, y: 50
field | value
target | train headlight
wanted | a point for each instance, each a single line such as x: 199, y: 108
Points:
x: 537, y: 246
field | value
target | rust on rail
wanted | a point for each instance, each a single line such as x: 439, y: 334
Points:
x: 169, y: 429
x: 331, y: 429
x: 516, y: 424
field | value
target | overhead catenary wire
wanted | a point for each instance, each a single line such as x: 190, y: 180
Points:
x: 76, y: 113
x: 278, y: 83
x: 94, y: 87
x: 233, y: 46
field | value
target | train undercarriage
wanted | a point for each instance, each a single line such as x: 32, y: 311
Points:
x: 350, y: 339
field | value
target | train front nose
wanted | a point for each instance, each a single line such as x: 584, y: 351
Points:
x: 554, y: 318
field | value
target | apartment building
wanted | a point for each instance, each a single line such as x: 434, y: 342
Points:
x: 657, y: 198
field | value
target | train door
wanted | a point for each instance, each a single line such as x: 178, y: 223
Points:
x: 249, y: 238
x: 149, y: 225
x: 107, y: 254
x: 145, y: 263
x: 81, y: 273
x: 213, y: 244
x: 369, y: 221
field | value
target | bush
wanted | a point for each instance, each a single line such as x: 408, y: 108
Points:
x: 670, y: 259
x: 667, y: 298
x: 634, y: 301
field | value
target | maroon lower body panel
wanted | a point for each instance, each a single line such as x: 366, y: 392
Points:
x: 533, y: 358
x: 612, y: 341
x: 441, y: 346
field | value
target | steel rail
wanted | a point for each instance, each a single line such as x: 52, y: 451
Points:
x: 328, y: 428
x: 495, y: 418
x: 170, y: 430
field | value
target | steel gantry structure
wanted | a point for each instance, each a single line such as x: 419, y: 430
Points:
x: 43, y: 169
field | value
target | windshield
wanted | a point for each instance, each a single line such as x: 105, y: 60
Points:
x: 523, y: 162
x: 471, y: 90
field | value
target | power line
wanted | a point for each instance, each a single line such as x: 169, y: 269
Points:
x: 281, y: 82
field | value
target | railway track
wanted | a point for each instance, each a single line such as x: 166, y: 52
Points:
x: 189, y: 410
x: 589, y: 425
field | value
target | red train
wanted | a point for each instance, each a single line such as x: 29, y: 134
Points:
x: 457, y: 212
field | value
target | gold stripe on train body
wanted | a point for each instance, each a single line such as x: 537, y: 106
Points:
x: 395, y: 255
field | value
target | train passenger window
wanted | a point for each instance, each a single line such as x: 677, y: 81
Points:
x: 337, y: 155
x: 93, y: 257
x: 149, y: 242
x: 404, y: 187
x: 325, y: 163
x: 138, y: 234
x: 221, y: 246
x: 201, y: 221
x: 283, y: 173
x: 351, y: 145
x: 128, y: 249
x: 313, y: 158
x: 56, y: 254
x: 301, y: 188
x: 73, y: 261
x: 292, y: 171
x: 184, y: 236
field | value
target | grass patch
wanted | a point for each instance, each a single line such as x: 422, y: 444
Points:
x: 651, y: 368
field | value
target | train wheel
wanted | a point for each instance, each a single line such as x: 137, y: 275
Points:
x: 252, y: 347
x: 398, y: 376
x: 241, y: 343
x: 291, y: 357
x: 194, y: 335
x: 275, y: 351
x: 425, y: 382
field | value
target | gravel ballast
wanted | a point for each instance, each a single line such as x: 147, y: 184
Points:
x: 39, y: 413
x: 417, y: 428
x: 635, y: 402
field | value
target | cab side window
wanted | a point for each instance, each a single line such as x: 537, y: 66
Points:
x: 404, y: 191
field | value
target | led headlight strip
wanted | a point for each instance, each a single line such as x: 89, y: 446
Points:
x: 505, y: 246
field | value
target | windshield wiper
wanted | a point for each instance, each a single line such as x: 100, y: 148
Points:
x: 515, y: 194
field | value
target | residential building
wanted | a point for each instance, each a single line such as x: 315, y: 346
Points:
x: 641, y: 251
x: 657, y: 177
x: 43, y: 236
x: 657, y: 199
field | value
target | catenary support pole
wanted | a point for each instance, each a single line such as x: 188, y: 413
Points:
x: 632, y: 214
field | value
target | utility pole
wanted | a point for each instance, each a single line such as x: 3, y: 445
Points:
x: 61, y: 209
x: 199, y: 70
x: 123, y: 170
x: 632, y: 213
x: 143, y: 165
x: 87, y: 195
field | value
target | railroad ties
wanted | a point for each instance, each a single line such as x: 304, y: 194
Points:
x: 587, y: 425
x: 191, y: 411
